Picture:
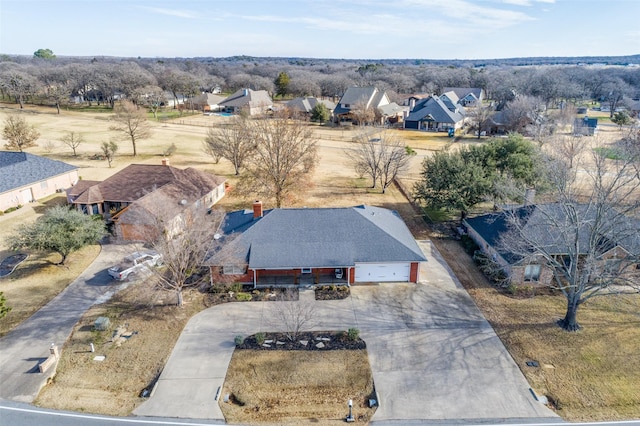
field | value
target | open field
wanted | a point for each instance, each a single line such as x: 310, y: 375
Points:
x: 595, y: 371
x: 295, y: 387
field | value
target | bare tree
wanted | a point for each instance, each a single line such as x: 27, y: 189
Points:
x: 295, y: 316
x: 366, y: 158
x: 394, y: 159
x: 284, y: 157
x: 480, y: 116
x: 568, y: 148
x: 235, y: 143
x: 73, y: 140
x: 132, y: 122
x: 182, y: 238
x: 18, y: 133
x: 590, y: 237
x: 381, y: 158
x: 363, y: 114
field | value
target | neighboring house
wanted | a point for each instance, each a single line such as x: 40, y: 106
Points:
x: 255, y: 102
x: 314, y: 246
x: 26, y: 177
x: 131, y: 198
x: 634, y: 108
x: 466, y: 96
x: 435, y: 114
x: 497, y: 123
x: 305, y: 105
x: 358, y: 99
x: 486, y: 231
x: 585, y: 126
x: 207, y: 102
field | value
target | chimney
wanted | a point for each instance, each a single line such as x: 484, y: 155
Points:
x: 257, y: 209
x: 165, y: 161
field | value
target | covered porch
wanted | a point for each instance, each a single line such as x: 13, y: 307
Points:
x: 301, y: 277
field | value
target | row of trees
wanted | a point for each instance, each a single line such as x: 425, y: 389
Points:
x: 104, y: 80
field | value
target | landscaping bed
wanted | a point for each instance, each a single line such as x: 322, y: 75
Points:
x: 305, y: 341
x: 332, y: 292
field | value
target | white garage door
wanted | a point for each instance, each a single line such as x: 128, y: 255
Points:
x: 381, y: 272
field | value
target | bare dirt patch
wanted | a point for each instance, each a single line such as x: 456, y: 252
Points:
x: 297, y: 387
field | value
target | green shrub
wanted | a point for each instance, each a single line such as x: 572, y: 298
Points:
x: 243, y: 297
x: 238, y: 340
x: 236, y: 287
x: 260, y: 338
x: 469, y: 245
x: 353, y: 334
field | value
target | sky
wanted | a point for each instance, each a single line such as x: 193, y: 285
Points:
x: 349, y: 29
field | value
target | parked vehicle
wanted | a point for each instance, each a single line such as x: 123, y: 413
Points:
x: 135, y: 263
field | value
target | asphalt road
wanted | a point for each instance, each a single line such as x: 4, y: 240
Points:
x: 26, y: 346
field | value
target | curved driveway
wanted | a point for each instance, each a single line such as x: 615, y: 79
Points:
x: 433, y: 355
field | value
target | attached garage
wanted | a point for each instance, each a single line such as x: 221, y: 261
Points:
x: 382, y: 272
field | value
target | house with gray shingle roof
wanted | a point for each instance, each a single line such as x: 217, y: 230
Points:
x: 308, y: 245
x: 304, y: 105
x: 545, y: 224
x: 26, y: 177
x: 131, y: 198
x: 435, y: 114
x: 358, y: 99
x: 465, y: 95
x: 255, y: 102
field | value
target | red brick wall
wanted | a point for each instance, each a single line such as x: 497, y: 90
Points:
x: 413, y: 273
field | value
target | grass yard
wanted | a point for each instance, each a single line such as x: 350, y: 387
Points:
x: 37, y: 280
x: 293, y: 387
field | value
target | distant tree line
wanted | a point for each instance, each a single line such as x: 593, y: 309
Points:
x: 47, y: 79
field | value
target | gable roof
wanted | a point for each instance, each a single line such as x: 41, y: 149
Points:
x: 137, y: 180
x: 19, y: 169
x: 319, y: 237
x: 434, y: 109
x: 463, y: 92
x: 306, y: 104
x: 208, y: 99
x: 253, y: 98
x: 535, y: 221
x: 353, y: 96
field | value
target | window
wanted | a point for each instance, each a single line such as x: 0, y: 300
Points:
x: 233, y: 269
x: 306, y: 270
x: 532, y: 273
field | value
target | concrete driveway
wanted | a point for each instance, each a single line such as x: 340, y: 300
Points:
x: 433, y: 355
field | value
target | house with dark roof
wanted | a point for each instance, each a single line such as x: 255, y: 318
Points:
x: 356, y: 100
x: 26, y: 177
x: 132, y: 198
x: 585, y: 126
x: 254, y: 102
x: 435, y: 114
x: 544, y: 224
x: 314, y: 246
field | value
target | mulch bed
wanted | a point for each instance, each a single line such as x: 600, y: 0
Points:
x: 225, y: 295
x: 330, y: 341
x: 10, y: 263
x: 332, y: 292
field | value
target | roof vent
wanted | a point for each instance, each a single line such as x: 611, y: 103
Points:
x: 183, y: 202
x: 217, y: 236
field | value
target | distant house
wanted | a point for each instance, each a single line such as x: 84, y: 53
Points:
x: 254, y: 102
x: 466, y: 96
x: 487, y: 230
x: 357, y: 100
x: 585, y: 126
x: 131, y: 198
x: 207, y: 102
x: 26, y: 177
x: 304, y: 105
x: 314, y: 246
x: 435, y: 114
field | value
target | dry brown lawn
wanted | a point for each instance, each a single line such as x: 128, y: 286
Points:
x: 113, y: 386
x: 293, y: 387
